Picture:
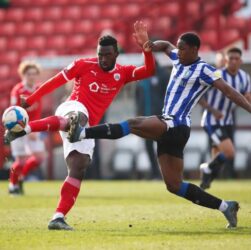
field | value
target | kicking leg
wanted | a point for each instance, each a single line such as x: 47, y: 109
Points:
x: 146, y: 127
x: 172, y: 169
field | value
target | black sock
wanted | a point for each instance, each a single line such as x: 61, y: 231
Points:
x: 108, y: 131
x: 200, y: 197
x: 217, y: 162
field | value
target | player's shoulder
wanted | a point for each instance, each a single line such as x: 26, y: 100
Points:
x: 86, y: 61
x: 17, y: 87
x: 120, y: 67
x: 243, y: 72
x: 89, y: 60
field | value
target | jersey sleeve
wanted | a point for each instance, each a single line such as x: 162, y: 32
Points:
x: 174, y: 57
x: 209, y: 74
x: 73, y: 69
x: 134, y: 73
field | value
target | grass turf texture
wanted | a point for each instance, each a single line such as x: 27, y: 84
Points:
x: 123, y: 215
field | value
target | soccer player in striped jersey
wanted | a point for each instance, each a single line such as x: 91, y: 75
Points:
x: 218, y: 116
x: 191, y: 77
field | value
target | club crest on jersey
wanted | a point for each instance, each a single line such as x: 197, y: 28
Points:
x: 94, y: 87
x: 116, y: 76
x: 185, y: 78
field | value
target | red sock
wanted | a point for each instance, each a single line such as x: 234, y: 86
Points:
x: 31, y: 163
x: 69, y: 194
x: 15, y: 172
x: 51, y: 123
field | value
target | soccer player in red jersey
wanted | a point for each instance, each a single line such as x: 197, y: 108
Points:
x: 27, y: 150
x: 97, y: 82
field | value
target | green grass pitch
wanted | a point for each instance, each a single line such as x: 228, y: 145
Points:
x: 123, y: 215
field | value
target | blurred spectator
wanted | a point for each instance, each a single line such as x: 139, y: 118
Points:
x: 28, y: 151
x: 150, y: 94
x: 220, y: 60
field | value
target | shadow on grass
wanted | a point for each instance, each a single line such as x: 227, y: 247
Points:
x: 244, y: 231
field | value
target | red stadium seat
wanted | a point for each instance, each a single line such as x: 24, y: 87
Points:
x: 17, y: 43
x: 33, y: 14
x: 21, y: 2
x: 61, y: 2
x: 209, y: 37
x: 72, y: 12
x: 29, y: 53
x: 83, y: 26
x: 10, y: 57
x: 36, y: 43
x: 193, y: 8
x: 210, y: 22
x: 130, y: 10
x: 64, y: 27
x: 76, y: 41
x: 234, y: 22
x: 230, y: 35
x: 111, y: 11
x: 170, y: 9
x: 52, y: 13
x: 4, y: 71
x: 44, y: 28
x: 105, y: 24
x: 56, y: 42
x: 163, y: 23
x: 3, y: 43
x: 7, y: 29
x: 14, y: 14
x: 91, y: 12
x: 25, y: 28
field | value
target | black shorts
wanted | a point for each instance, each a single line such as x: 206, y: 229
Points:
x: 173, y: 141
x: 217, y: 134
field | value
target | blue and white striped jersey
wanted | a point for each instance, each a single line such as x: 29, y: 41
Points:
x: 186, y: 86
x: 216, y: 99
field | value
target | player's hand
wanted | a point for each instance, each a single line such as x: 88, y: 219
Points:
x: 217, y: 114
x: 140, y: 34
x: 24, y: 104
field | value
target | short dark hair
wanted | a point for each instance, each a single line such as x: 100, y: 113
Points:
x: 234, y: 50
x: 108, y: 41
x: 191, y: 39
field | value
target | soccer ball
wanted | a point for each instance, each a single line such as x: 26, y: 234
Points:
x: 15, y: 119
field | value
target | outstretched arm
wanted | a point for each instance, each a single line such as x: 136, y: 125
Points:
x: 44, y: 89
x: 141, y: 36
x: 232, y: 94
x: 160, y: 46
x: 205, y: 105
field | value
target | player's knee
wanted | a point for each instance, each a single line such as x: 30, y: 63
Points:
x: 83, y: 119
x: 77, y: 164
x: 229, y: 153
x: 135, y: 123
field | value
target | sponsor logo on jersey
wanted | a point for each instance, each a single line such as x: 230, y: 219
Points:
x: 94, y: 87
